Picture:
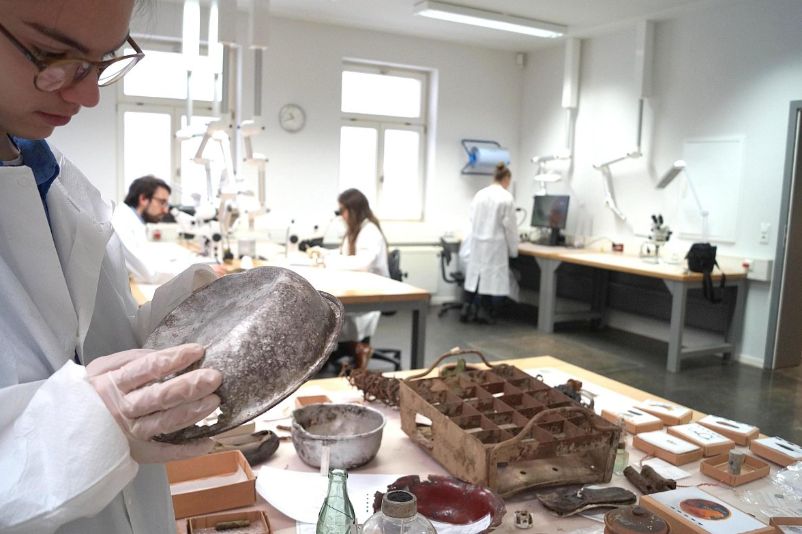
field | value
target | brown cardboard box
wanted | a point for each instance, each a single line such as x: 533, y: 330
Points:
x: 778, y: 522
x: 695, y: 452
x: 636, y: 424
x: 670, y: 414
x: 762, y: 448
x: 740, y: 433
x: 211, y: 495
x: 682, y: 525
x: 752, y: 469
x: 257, y: 519
x: 708, y: 449
x: 306, y: 400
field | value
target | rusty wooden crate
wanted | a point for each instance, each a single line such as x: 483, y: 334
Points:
x: 507, y: 430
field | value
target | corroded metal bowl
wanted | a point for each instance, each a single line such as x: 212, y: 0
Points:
x: 267, y: 330
x: 352, y: 433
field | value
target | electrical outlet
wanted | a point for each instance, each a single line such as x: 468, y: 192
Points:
x: 764, y: 233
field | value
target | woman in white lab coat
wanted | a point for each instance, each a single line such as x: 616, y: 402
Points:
x: 492, y: 240
x: 76, y: 453
x: 364, y: 248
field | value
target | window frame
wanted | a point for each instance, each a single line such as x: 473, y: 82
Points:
x: 382, y: 123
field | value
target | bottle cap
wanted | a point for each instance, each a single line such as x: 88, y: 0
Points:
x: 399, y: 504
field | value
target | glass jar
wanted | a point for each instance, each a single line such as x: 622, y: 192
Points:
x: 398, y: 515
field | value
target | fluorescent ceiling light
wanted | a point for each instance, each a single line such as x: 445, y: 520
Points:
x: 488, y: 19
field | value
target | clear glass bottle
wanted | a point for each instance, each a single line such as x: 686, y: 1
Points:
x: 337, y: 514
x: 399, y: 515
x: 621, y: 454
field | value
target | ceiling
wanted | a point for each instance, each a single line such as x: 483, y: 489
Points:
x: 583, y: 17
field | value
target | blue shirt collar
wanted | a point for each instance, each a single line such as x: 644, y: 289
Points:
x: 37, y: 155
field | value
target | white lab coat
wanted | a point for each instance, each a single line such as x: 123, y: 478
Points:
x: 492, y: 240
x: 144, y: 265
x: 371, y: 256
x: 65, y: 465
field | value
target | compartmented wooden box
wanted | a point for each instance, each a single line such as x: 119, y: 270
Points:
x: 506, y: 430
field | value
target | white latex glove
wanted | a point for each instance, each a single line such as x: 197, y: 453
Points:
x: 128, y: 383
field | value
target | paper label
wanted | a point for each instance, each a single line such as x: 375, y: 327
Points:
x: 709, y: 513
x: 664, y: 408
x: 697, y: 433
x: 727, y: 424
x: 667, y: 442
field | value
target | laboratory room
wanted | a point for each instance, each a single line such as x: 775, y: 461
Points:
x: 384, y: 266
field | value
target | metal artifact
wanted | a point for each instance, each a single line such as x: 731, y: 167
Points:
x: 634, y: 520
x: 649, y: 481
x: 449, y: 500
x: 523, y: 519
x: 569, y: 501
x: 373, y: 385
x: 507, y: 430
x: 352, y: 434
x: 267, y: 330
x: 256, y: 447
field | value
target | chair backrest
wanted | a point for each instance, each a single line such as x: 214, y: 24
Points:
x: 394, y: 265
x: 445, y: 259
x: 446, y: 253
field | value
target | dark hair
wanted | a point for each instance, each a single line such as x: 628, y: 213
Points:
x: 146, y: 185
x: 358, y: 210
x: 502, y: 171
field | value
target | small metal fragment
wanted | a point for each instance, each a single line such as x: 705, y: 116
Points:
x: 523, y: 519
x: 231, y: 525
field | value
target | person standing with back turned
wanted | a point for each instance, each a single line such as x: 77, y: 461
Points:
x: 493, y: 239
x: 80, y: 401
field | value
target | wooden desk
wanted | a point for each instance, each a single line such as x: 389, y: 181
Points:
x: 360, y: 292
x: 400, y: 455
x: 675, y: 277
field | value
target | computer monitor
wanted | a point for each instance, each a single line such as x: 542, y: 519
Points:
x: 551, y: 211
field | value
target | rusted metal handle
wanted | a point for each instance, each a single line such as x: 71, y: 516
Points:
x: 453, y: 352
x: 537, y: 417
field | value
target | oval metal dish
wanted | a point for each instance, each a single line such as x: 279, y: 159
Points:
x: 352, y: 432
x: 267, y: 330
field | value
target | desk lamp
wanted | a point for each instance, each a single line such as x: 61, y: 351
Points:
x: 678, y: 167
x: 543, y: 174
x: 609, y: 192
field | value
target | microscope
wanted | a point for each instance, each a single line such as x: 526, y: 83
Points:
x: 658, y: 236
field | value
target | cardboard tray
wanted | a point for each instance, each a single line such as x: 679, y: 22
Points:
x: 772, y: 454
x: 212, y: 499
x: 670, y: 414
x: 779, y: 521
x: 650, y: 421
x: 668, y: 456
x: 256, y: 517
x: 682, y: 525
x: 707, y: 448
x: 752, y: 469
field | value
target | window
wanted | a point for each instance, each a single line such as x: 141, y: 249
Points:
x: 151, y: 112
x: 382, y: 138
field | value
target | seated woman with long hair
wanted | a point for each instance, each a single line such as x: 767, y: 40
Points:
x: 364, y: 248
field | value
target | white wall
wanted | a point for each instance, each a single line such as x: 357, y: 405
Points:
x: 730, y: 70
x: 478, y: 95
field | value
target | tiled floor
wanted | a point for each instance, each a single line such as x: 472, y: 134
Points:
x: 770, y: 400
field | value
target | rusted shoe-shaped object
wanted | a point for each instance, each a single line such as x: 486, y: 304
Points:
x: 267, y: 330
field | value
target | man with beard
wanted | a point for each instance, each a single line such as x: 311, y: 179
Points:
x: 147, y: 201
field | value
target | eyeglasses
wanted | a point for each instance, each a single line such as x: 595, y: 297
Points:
x: 162, y: 201
x: 55, y: 74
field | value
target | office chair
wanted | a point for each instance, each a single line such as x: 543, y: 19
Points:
x: 391, y: 356
x: 457, y: 277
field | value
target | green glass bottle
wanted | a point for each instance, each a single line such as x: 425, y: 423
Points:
x: 337, y: 514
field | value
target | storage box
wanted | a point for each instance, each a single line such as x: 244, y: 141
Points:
x: 690, y: 511
x: 507, y: 430
x: 636, y: 421
x: 711, y: 442
x: 259, y: 522
x: 666, y: 447
x: 670, y: 414
x: 740, y: 433
x: 752, y: 469
x: 211, y: 483
x: 778, y: 522
x: 306, y: 400
x: 777, y: 450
